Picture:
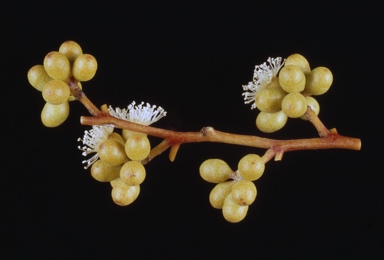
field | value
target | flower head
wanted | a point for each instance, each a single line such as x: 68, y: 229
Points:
x: 262, y: 75
x: 143, y: 114
x: 92, y: 140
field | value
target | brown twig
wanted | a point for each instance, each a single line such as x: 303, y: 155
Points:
x: 329, y: 139
x: 209, y: 134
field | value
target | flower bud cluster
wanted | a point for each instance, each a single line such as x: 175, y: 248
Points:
x: 234, y: 191
x: 59, y: 68
x: 284, y: 89
x: 117, y: 156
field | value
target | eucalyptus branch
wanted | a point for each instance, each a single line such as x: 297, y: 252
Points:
x: 209, y: 134
x: 327, y: 139
x: 280, y: 89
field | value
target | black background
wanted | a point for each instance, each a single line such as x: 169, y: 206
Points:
x: 192, y: 59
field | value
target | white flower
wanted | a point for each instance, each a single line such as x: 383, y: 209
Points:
x: 262, y: 75
x: 143, y: 114
x: 92, y: 140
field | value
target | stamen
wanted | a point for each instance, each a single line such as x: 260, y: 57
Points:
x: 262, y: 75
x: 92, y: 140
x: 143, y: 113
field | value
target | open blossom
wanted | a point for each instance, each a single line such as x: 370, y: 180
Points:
x: 144, y: 113
x: 262, y: 75
x: 92, y: 140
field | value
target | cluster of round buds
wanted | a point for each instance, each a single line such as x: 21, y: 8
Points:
x: 117, y: 156
x: 59, y: 68
x: 234, y: 191
x: 284, y: 89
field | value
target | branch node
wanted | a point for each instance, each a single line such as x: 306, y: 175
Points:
x: 205, y: 130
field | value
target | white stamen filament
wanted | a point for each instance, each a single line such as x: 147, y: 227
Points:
x: 92, y: 140
x: 140, y: 114
x: 262, y: 75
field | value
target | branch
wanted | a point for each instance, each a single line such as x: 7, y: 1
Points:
x: 278, y: 85
x: 327, y: 140
x: 78, y: 93
x: 332, y: 140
